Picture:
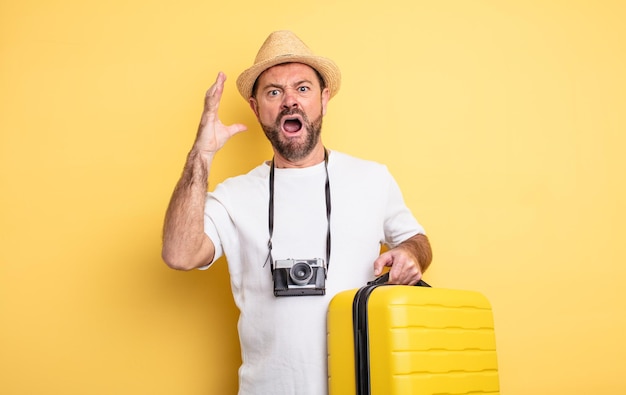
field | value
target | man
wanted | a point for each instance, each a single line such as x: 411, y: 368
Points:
x: 308, y: 203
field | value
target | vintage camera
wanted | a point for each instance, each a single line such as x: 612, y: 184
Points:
x: 299, y: 277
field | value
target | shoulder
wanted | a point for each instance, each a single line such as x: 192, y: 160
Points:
x: 350, y: 165
x: 254, y: 180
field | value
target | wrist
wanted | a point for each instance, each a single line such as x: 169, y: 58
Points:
x: 197, y: 153
x: 196, y: 171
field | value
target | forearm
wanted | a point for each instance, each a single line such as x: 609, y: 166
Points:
x: 419, y: 247
x: 185, y: 245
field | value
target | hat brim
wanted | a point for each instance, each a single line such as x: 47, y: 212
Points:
x: 326, y: 67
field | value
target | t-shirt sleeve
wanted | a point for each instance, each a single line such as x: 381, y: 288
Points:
x: 400, y: 223
x: 214, y: 212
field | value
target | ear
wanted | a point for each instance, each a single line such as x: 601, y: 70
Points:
x: 325, y: 99
x: 254, y: 106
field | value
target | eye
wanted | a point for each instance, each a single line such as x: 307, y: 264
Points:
x: 303, y: 89
x: 273, y: 92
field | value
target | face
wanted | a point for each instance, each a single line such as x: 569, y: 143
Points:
x: 290, y: 105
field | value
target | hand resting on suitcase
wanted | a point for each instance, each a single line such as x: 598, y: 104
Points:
x: 385, y: 277
x: 408, y: 261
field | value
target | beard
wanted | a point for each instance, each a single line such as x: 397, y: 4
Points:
x: 297, y: 148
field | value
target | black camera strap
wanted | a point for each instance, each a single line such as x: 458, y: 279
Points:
x: 270, y: 220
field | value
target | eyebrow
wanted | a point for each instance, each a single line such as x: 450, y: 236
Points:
x: 275, y: 85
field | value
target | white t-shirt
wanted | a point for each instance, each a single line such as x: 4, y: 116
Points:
x: 283, y: 339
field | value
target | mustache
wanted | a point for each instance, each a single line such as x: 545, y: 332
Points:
x: 291, y: 111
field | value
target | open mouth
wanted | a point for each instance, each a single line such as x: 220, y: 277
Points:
x: 292, y: 125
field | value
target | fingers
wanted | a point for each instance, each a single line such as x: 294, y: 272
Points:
x: 214, y: 95
x: 236, y: 128
x: 382, y: 261
x: 406, y: 275
x: 404, y: 270
x: 212, y: 134
x: 401, y: 273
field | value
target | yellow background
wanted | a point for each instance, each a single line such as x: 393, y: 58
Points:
x: 503, y: 122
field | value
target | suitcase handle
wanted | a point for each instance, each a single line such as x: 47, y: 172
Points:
x: 361, y: 334
x: 385, y: 277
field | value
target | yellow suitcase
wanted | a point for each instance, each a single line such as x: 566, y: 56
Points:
x: 394, y: 339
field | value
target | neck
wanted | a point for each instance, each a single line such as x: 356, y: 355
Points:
x: 313, y: 158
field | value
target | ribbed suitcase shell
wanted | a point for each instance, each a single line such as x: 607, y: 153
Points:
x: 421, y: 341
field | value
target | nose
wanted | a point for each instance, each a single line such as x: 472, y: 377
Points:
x: 289, y: 99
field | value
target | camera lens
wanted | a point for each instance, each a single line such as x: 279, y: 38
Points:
x: 301, y: 273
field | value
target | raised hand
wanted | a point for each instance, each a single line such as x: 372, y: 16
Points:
x: 212, y: 133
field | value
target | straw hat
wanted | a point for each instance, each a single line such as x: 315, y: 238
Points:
x: 285, y: 47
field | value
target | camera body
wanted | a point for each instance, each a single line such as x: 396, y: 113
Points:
x: 299, y: 277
